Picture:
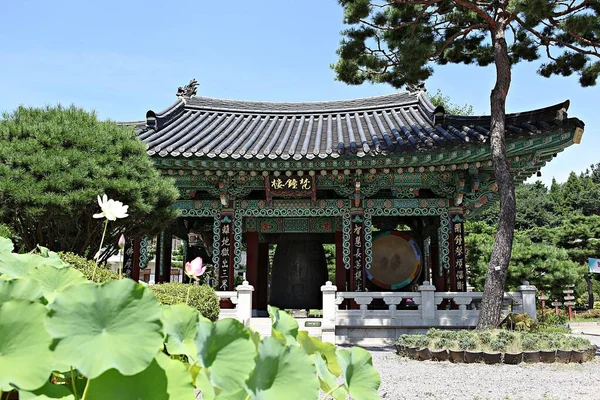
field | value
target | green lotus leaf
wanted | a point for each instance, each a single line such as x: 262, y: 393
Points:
x: 163, y: 379
x: 54, y: 280
x: 49, y: 391
x: 312, y: 345
x: 285, y: 327
x: 226, y: 352
x: 181, y: 326
x: 25, y: 356
x: 115, y: 325
x: 360, y: 377
x: 327, y: 380
x: 203, y: 384
x: 6, y: 245
x: 23, y: 288
x: 16, y: 265
x: 282, y: 372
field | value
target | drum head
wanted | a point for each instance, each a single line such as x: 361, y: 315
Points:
x: 396, y: 260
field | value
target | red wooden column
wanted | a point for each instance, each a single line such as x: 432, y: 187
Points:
x: 263, y: 277
x: 252, y: 264
x: 135, y: 269
x: 167, y: 239
x: 157, y: 260
x: 340, y: 270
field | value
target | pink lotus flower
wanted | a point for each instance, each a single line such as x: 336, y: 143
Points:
x: 122, y: 242
x: 194, y: 268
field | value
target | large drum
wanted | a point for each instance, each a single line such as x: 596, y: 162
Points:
x: 396, y: 260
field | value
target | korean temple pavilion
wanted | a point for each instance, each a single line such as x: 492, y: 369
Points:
x: 389, y: 180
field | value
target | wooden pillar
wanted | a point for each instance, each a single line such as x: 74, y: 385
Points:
x: 167, y: 239
x: 341, y: 273
x: 437, y: 273
x: 158, y: 259
x: 263, y: 277
x: 357, y: 253
x: 135, y: 267
x: 457, y: 253
x: 225, y: 248
x: 252, y: 264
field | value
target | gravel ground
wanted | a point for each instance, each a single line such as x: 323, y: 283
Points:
x: 402, y: 378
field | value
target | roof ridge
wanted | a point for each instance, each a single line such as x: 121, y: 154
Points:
x: 205, y: 102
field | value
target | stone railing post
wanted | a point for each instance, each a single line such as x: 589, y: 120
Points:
x: 528, y: 293
x: 427, y: 305
x: 244, y: 302
x: 329, y: 311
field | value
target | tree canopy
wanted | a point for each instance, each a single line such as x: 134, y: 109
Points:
x: 395, y: 41
x: 557, y: 230
x: 55, y: 161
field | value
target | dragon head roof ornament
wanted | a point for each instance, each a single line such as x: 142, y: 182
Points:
x: 188, y: 91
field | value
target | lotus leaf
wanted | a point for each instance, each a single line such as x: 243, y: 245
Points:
x: 285, y: 327
x: 22, y: 288
x: 181, y: 326
x: 49, y: 391
x: 54, y: 280
x: 25, y: 356
x: 163, y: 379
x: 116, y: 325
x: 282, y: 372
x: 225, y: 352
x: 360, y: 377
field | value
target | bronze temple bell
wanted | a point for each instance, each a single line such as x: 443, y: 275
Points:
x: 299, y: 271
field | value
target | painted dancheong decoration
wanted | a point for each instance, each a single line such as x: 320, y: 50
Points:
x: 337, y: 172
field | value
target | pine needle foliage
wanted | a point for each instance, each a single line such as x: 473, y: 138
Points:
x: 55, y: 161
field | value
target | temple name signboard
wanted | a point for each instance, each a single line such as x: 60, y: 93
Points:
x: 293, y: 186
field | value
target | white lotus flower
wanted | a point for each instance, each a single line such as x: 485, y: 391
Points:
x: 111, y: 209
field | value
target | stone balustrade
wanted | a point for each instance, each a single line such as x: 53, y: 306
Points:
x: 351, y: 317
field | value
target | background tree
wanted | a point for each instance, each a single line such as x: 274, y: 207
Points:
x: 55, y: 161
x: 396, y: 41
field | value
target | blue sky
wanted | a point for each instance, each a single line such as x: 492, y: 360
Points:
x: 122, y: 58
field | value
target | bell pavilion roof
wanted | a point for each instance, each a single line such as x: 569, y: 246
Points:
x: 404, y: 122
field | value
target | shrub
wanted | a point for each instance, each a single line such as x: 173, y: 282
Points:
x: 102, y: 274
x: 498, y: 345
x: 467, y: 343
x: 421, y: 341
x: 452, y: 335
x: 444, y: 344
x: 485, y: 337
x: 434, y: 333
x: 507, y: 336
x: 203, y: 297
x: 529, y: 343
x: 589, y: 314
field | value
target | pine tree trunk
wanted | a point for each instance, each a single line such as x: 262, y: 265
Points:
x: 590, y: 290
x: 493, y: 293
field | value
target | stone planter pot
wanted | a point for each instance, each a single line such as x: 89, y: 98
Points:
x: 411, y: 352
x: 513, y: 358
x: 473, y: 357
x: 457, y: 356
x: 424, y: 354
x: 440, y: 355
x: 492, y: 358
x: 589, y: 354
x: 547, y: 356
x: 531, y: 356
x: 563, y: 356
x: 577, y: 356
x: 400, y: 349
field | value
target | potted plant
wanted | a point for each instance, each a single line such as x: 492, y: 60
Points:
x: 547, y: 349
x: 531, y: 350
x: 564, y: 350
x: 440, y: 351
x: 422, y: 343
x: 513, y: 354
x: 469, y: 345
x: 579, y: 348
x: 497, y: 347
